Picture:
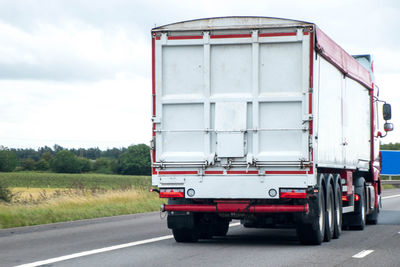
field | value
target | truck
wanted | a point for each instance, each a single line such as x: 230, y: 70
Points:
x: 267, y: 121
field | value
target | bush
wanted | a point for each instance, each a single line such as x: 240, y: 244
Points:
x: 8, y: 161
x: 65, y: 162
x: 102, y: 165
x: 5, y: 193
x: 135, y: 160
x: 47, y: 156
x: 85, y: 165
x: 42, y: 165
x: 28, y: 164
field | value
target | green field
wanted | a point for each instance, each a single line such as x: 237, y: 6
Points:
x: 40, y: 198
x: 62, y: 180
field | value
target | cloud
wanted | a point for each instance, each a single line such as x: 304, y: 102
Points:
x: 77, y: 72
x: 105, y: 113
x: 72, y: 51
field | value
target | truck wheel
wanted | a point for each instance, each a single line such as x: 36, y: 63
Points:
x: 338, y: 211
x: 360, y: 218
x: 373, y: 217
x: 313, y: 233
x: 221, y: 228
x: 330, y: 214
x: 185, y: 235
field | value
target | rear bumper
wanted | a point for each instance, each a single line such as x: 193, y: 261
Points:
x: 232, y: 186
x: 237, y: 208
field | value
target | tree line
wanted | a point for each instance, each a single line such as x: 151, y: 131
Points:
x: 133, y: 160
x: 391, y: 146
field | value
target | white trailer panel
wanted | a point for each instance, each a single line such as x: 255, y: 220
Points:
x: 344, y: 124
x: 258, y: 102
x: 232, y: 98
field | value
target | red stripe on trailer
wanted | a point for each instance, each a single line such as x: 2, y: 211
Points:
x: 375, y: 172
x: 185, y: 37
x: 276, y: 34
x: 176, y: 172
x: 285, y: 172
x: 214, y: 172
x: 153, y: 74
x: 231, y: 36
x: 242, y: 172
x: 153, y: 91
x: 292, y: 195
x: 154, y: 105
x: 237, y: 208
x: 158, y: 38
x: 372, y: 161
x: 171, y: 194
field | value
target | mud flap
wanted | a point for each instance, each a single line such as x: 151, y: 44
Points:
x: 180, y: 221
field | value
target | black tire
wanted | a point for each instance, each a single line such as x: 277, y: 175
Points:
x: 313, y: 233
x: 338, y: 210
x: 373, y: 217
x: 330, y: 213
x: 221, y: 228
x: 361, y: 217
x: 185, y: 235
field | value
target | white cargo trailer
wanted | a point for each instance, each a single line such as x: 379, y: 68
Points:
x: 265, y: 120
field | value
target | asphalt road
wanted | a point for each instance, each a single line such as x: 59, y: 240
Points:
x: 144, y: 240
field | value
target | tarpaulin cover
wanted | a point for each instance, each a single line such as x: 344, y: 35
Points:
x: 332, y: 52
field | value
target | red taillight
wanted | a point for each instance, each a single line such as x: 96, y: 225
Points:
x: 172, y: 192
x: 346, y: 198
x: 293, y: 193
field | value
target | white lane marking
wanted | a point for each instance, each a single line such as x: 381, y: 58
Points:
x: 95, y: 251
x: 391, y: 196
x: 362, y: 254
x: 101, y: 250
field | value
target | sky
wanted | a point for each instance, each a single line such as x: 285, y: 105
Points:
x: 78, y: 73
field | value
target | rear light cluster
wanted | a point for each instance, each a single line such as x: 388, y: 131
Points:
x: 293, y: 193
x: 356, y: 198
x: 172, y: 192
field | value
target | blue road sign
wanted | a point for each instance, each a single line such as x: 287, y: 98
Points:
x: 390, y: 162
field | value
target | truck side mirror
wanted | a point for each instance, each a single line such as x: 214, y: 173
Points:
x: 387, y: 112
x: 388, y: 127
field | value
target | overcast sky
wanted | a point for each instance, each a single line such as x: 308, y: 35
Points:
x: 78, y: 73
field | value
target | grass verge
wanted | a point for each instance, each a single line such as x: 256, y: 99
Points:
x: 388, y: 186
x: 69, y: 205
x: 44, y: 197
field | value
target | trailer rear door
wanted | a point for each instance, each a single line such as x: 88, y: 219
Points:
x: 237, y: 96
